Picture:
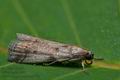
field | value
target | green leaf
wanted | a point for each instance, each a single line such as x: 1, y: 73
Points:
x: 90, y: 24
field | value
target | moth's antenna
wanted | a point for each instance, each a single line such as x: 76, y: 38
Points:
x: 98, y: 58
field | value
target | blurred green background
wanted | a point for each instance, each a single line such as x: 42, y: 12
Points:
x: 90, y: 24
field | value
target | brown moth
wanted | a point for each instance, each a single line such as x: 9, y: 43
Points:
x: 28, y: 49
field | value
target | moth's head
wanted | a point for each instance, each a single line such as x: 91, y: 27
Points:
x: 89, y: 58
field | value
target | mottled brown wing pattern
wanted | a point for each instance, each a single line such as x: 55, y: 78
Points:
x: 28, y: 49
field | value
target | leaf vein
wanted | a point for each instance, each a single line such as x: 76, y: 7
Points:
x: 23, y: 16
x: 71, y: 20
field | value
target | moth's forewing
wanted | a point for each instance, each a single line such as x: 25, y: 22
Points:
x: 29, y: 58
x: 27, y: 52
x: 24, y: 37
x: 28, y: 49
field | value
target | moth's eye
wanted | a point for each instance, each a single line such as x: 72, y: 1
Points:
x: 89, y: 56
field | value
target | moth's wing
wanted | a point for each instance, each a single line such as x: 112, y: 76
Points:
x: 52, y: 49
x: 24, y: 37
x: 13, y: 55
x: 38, y: 58
x: 19, y: 53
x: 29, y: 58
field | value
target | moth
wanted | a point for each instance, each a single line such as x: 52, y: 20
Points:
x: 29, y: 49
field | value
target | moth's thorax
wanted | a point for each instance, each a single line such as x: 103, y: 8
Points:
x: 78, y: 51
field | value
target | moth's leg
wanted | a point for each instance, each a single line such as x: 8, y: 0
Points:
x: 64, y: 60
x: 47, y: 64
x: 52, y: 61
x: 83, y: 66
x: 61, y: 60
x: 75, y: 59
x: 68, y: 60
